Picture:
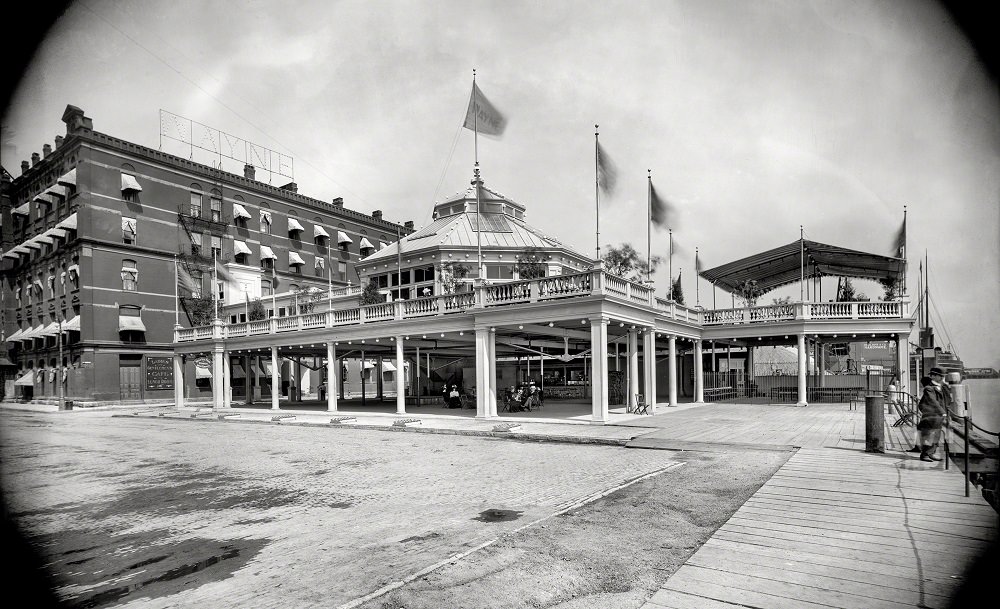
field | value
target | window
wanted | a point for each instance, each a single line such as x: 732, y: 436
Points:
x: 403, y: 277
x: 499, y: 271
x: 265, y: 222
x: 342, y: 270
x: 51, y: 281
x: 320, y: 266
x: 281, y: 311
x: 17, y: 295
x: 130, y: 276
x: 267, y: 264
x: 195, y: 209
x: 217, y: 245
x: 130, y: 326
x: 216, y: 204
x: 128, y: 230
x: 220, y: 287
x: 265, y: 287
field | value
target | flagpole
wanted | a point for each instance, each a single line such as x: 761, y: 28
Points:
x: 905, y: 264
x: 329, y: 277
x: 697, y: 271
x: 649, y: 219
x: 177, y: 313
x: 215, y: 283
x: 597, y: 188
x: 477, y: 182
x: 274, y: 289
x: 670, y: 262
x: 399, y: 263
x: 802, y: 268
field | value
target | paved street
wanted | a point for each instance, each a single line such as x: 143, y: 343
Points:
x: 149, y: 512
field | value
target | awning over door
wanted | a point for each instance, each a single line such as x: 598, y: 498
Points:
x: 25, y: 380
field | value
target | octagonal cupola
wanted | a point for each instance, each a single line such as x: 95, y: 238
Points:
x: 465, y: 201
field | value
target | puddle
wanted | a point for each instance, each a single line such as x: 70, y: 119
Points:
x: 420, y: 537
x: 113, y: 594
x: 92, y: 569
x: 497, y: 515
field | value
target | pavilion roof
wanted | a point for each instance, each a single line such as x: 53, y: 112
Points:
x: 783, y: 265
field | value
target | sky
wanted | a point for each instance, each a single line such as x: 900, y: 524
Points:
x: 755, y: 118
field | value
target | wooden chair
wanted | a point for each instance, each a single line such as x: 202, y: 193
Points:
x: 641, y: 407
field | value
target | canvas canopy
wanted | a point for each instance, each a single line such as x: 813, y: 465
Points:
x: 787, y: 264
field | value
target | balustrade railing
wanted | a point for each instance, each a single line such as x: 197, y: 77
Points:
x: 542, y: 289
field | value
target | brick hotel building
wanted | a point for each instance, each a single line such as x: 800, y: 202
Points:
x: 91, y: 230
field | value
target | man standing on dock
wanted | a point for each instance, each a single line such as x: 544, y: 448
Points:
x: 933, y: 409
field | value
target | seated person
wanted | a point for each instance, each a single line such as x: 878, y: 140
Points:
x: 454, y: 399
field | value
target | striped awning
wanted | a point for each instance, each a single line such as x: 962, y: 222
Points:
x: 343, y: 238
x: 366, y: 244
x: 69, y: 222
x: 51, y: 330
x: 26, y: 380
x: 128, y: 322
x: 803, y: 259
x: 130, y: 183
x: 294, y: 258
x: 240, y: 212
x: 319, y: 231
x: 240, y: 247
x: 267, y: 253
x: 68, y: 178
x: 24, y: 210
x: 293, y: 225
x: 16, y: 335
x: 72, y: 325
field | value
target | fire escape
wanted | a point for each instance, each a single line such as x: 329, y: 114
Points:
x: 202, y: 224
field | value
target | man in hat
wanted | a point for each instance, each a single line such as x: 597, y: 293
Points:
x: 933, y: 408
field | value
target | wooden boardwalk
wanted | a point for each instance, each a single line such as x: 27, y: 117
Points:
x: 835, y: 526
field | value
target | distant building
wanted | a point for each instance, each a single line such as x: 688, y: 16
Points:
x: 91, y: 229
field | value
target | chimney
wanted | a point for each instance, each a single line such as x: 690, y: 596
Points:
x: 59, y: 141
x: 24, y: 167
x: 338, y: 202
x: 377, y: 214
x: 76, y: 121
x: 34, y: 158
x: 46, y: 150
x: 408, y: 224
x: 249, y: 172
x: 291, y: 186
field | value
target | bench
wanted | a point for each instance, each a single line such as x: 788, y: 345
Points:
x: 784, y: 394
x: 836, y: 394
x: 718, y: 393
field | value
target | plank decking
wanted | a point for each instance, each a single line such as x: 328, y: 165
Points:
x: 835, y: 526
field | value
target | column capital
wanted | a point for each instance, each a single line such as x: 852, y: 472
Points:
x: 599, y: 319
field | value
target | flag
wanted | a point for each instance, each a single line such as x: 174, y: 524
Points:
x: 482, y: 116
x: 661, y: 212
x: 697, y: 263
x: 187, y: 282
x: 899, y: 245
x: 607, y: 173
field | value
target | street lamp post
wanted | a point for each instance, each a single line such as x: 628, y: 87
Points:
x: 62, y: 371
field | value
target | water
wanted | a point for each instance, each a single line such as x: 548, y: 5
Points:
x: 984, y: 402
